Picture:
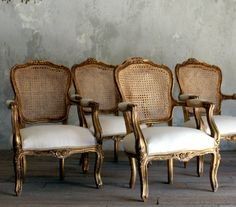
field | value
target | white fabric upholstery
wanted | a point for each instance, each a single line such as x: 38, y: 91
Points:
x: 46, y: 137
x: 164, y: 140
x: 225, y: 124
x: 111, y: 125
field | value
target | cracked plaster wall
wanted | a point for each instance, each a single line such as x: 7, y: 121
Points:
x: 165, y: 31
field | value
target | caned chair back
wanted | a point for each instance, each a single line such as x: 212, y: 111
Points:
x: 149, y: 86
x: 201, y: 79
x: 41, y: 91
x: 95, y: 80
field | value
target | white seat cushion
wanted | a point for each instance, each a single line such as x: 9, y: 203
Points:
x: 164, y: 140
x: 45, y: 137
x: 111, y: 125
x: 225, y: 124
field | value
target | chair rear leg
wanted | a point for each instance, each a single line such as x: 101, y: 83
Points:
x: 133, y: 172
x: 170, y: 164
x: 214, y: 170
x: 62, y: 168
x: 116, y: 148
x: 200, y: 165
x: 84, y: 162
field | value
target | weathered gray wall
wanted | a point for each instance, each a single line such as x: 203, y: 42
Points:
x: 68, y: 31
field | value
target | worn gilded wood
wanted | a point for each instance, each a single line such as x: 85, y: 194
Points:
x: 139, y: 79
x: 25, y: 110
x: 204, y: 81
x: 94, y: 79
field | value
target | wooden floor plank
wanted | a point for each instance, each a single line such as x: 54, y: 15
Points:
x: 42, y: 186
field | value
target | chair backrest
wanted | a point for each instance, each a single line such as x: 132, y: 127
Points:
x: 201, y: 79
x: 41, y: 90
x: 149, y: 86
x: 95, y: 80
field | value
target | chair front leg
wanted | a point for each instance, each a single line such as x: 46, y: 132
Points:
x: 214, y: 170
x: 23, y: 163
x: 170, y: 164
x: 200, y: 165
x: 143, y: 175
x: 133, y: 172
x: 19, y: 168
x: 98, y: 167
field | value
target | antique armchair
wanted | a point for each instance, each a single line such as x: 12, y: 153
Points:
x: 204, y: 80
x: 39, y: 118
x: 95, y: 80
x: 146, y: 89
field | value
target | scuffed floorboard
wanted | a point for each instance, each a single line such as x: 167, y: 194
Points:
x: 42, y: 186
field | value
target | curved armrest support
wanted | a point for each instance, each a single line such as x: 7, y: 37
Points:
x: 196, y: 104
x: 209, y: 107
x: 229, y: 97
x: 141, y: 145
x: 88, y: 103
x: 17, y: 142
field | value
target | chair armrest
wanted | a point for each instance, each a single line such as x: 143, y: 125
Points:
x: 198, y: 103
x: 184, y: 97
x: 229, y: 97
x: 209, y: 107
x: 125, y: 106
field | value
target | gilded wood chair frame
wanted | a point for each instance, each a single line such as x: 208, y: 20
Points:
x: 133, y: 125
x: 19, y: 121
x: 221, y: 97
x: 111, y: 110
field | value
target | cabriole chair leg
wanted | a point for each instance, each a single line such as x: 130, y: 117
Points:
x: 214, y: 170
x: 143, y: 175
x: 18, y: 166
x: 97, y: 168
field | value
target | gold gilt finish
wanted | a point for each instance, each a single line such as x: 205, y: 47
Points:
x: 23, y: 114
x: 92, y: 73
x: 135, y: 115
x: 204, y: 81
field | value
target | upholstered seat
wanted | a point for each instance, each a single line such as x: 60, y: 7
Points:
x: 165, y: 140
x: 225, y: 124
x: 46, y: 137
x: 111, y: 125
